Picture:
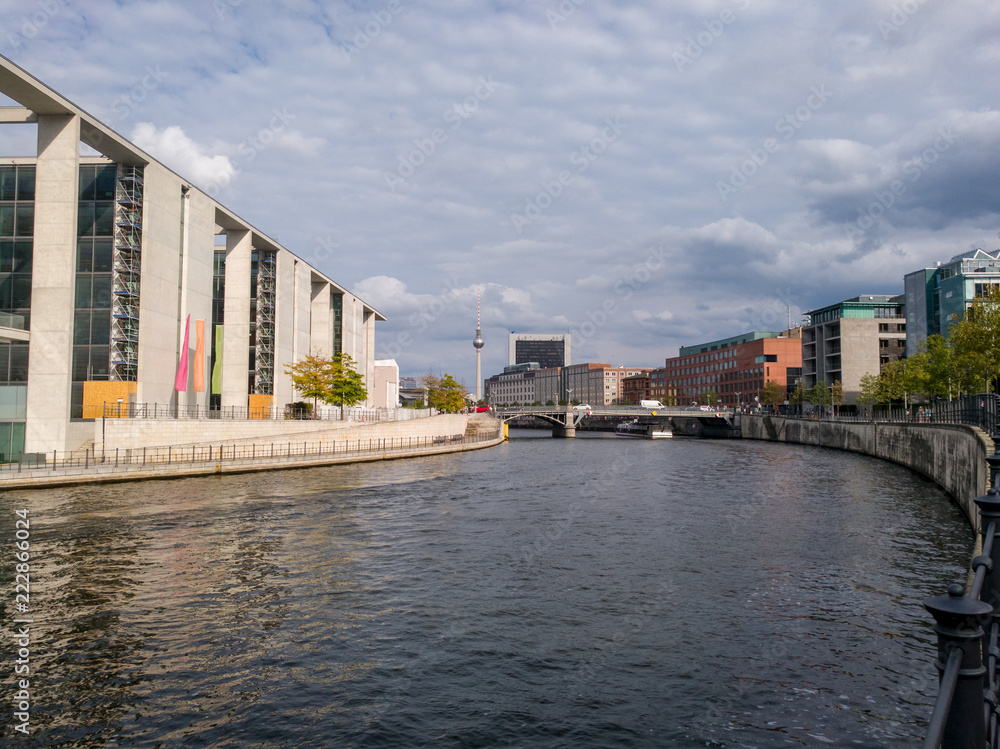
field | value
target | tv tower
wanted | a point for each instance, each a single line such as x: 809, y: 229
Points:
x: 478, y: 342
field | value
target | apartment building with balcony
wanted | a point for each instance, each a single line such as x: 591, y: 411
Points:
x: 847, y: 340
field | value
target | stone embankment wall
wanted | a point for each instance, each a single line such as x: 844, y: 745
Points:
x: 138, y: 433
x: 951, y: 455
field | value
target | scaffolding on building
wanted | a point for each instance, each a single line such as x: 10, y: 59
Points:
x: 264, y: 351
x: 125, y: 274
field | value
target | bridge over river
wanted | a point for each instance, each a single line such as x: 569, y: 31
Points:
x: 683, y: 420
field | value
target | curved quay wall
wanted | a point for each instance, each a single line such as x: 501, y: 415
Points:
x: 951, y: 455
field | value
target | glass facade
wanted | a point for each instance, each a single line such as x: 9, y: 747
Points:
x: 17, y: 228
x: 338, y: 323
x: 17, y: 224
x: 94, y: 259
x: 218, y: 317
x: 548, y: 354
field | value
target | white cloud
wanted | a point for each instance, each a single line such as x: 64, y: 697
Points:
x: 777, y: 245
x: 192, y: 161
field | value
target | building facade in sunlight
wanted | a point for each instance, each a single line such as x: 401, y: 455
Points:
x: 938, y: 297
x: 732, y: 371
x: 121, y: 282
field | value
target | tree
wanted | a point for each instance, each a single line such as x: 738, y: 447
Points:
x: 710, y: 398
x: 772, y: 394
x: 797, y: 396
x: 937, y: 357
x: 892, y: 381
x: 333, y: 381
x: 869, y: 394
x: 819, y: 394
x: 837, y: 395
x: 443, y: 393
x: 976, y: 338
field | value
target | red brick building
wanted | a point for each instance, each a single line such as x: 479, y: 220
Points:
x: 734, y: 369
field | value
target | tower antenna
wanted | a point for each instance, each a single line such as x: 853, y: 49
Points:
x: 478, y: 342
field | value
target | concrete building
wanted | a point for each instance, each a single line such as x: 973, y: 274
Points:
x: 547, y: 350
x: 734, y: 369
x: 515, y: 386
x: 658, y: 384
x: 937, y: 297
x: 585, y: 383
x: 385, y: 392
x: 852, y: 338
x: 593, y: 384
x: 120, y: 282
x: 614, y: 379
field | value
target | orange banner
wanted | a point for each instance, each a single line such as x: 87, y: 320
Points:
x: 199, y: 356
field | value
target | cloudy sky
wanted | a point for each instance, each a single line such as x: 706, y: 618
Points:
x: 640, y: 175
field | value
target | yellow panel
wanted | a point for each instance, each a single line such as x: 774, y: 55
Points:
x: 260, y: 406
x: 102, y: 397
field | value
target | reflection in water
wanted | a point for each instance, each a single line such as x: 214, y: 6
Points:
x: 593, y: 592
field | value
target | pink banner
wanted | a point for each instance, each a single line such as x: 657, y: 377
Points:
x: 180, y: 382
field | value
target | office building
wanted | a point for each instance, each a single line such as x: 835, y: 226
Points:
x: 937, y: 297
x: 514, y: 387
x: 852, y: 338
x: 732, y: 371
x: 547, y: 350
x: 122, y: 282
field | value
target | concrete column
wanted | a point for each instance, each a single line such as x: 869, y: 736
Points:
x: 367, y: 364
x: 320, y: 333
x: 303, y: 312
x: 284, y: 330
x: 569, y: 425
x: 236, y: 338
x: 53, y: 282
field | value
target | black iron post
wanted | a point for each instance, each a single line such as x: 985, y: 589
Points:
x: 958, y: 623
x: 994, y: 462
x: 989, y: 512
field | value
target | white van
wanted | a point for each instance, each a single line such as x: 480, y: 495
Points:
x: 651, y: 404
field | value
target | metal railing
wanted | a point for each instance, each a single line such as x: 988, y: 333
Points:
x: 125, y: 410
x: 981, y: 410
x: 126, y: 459
x: 968, y: 625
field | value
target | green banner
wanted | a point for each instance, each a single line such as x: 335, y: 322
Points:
x: 217, y: 369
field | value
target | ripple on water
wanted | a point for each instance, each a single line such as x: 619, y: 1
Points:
x: 595, y: 592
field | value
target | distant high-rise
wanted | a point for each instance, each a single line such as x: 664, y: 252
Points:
x: 547, y: 350
x: 478, y: 342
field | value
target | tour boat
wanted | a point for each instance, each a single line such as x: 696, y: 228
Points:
x: 643, y: 431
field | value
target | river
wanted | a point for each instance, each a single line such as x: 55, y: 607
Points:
x: 595, y: 592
